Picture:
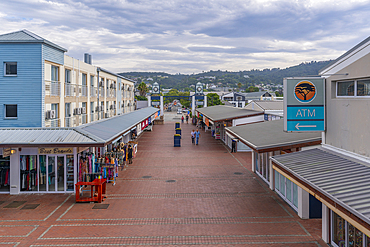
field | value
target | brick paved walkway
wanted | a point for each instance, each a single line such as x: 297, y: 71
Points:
x: 168, y: 196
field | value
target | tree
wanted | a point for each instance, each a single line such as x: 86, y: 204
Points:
x: 213, y: 99
x: 143, y: 89
x: 304, y: 89
x: 252, y: 89
x: 140, y: 98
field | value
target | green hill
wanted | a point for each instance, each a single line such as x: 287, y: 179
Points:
x: 231, y: 79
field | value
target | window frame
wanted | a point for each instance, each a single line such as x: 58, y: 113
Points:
x: 10, y: 75
x: 354, y: 89
x: 5, y: 110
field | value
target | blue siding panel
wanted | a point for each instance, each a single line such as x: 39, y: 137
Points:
x: 25, y: 89
x: 53, y: 55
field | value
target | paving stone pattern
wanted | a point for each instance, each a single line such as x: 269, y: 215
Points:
x: 170, y: 196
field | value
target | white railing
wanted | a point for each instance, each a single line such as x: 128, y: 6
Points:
x: 93, y: 91
x: 52, y: 88
x: 68, y: 122
x: 70, y: 90
x: 102, y: 92
x: 83, y: 91
x: 83, y: 118
x: 51, y: 123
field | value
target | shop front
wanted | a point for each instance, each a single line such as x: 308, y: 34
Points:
x: 4, y: 173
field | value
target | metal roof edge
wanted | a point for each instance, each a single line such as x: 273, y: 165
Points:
x: 115, y: 74
x: 240, y: 138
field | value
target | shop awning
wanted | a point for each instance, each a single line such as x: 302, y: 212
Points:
x: 45, y: 137
x: 340, y: 182
x: 223, y: 113
x: 112, y: 128
x: 270, y: 136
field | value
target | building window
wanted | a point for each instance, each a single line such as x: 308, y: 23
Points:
x: 11, y: 111
x: 357, y: 88
x: 84, y: 79
x: 54, y: 73
x: 67, y: 76
x: 10, y: 68
x: 286, y: 189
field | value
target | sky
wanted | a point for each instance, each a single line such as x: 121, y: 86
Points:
x: 191, y: 36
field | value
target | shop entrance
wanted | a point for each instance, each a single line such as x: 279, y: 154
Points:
x: 56, y: 171
x: 4, y: 174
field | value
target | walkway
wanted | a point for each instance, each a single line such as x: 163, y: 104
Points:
x: 192, y: 195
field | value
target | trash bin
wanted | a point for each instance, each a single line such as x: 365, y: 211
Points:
x: 177, y: 125
x: 177, y: 140
x: 178, y: 131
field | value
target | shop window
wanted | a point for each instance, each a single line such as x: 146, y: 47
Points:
x: 11, y: 111
x: 346, y: 88
x: 289, y: 190
x: 4, y: 174
x: 339, y: 230
x: 10, y: 69
x: 295, y: 195
x: 256, y: 161
x: 28, y: 173
x: 70, y: 173
x: 42, y: 173
x: 363, y: 88
x: 282, y: 185
x: 367, y: 241
x: 277, y: 183
x: 355, y: 237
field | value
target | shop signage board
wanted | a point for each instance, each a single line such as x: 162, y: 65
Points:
x: 144, y: 124
x: 55, y: 150
x: 7, y: 152
x: 304, y: 104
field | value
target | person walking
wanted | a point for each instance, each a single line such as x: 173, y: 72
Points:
x: 129, y: 154
x: 197, y: 136
x: 187, y: 119
x: 182, y: 119
x: 233, y: 146
x: 192, y: 133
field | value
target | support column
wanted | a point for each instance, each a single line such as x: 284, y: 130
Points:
x: 325, y: 223
x: 162, y: 113
x: 271, y: 173
x: 149, y: 101
x: 75, y: 167
x: 193, y: 105
x: 253, y: 161
x: 303, y: 203
x: 205, y: 101
x: 14, y: 174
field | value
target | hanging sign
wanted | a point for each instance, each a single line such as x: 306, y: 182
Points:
x: 144, y: 124
x: 206, y: 121
x: 304, y: 107
x: 7, y: 152
x: 55, y: 150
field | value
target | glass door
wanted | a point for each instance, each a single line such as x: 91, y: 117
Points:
x: 60, y: 173
x: 51, y: 173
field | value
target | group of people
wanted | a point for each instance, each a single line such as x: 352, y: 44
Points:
x: 186, y: 117
x: 195, y: 135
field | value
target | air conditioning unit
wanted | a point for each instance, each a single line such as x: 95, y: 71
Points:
x: 47, y: 115
x: 111, y: 107
x: 97, y: 108
x: 101, y: 108
x: 52, y: 114
x: 123, y: 87
x: 123, y: 105
x: 111, y: 86
x: 101, y: 84
x: 83, y: 110
x: 79, y: 111
x: 106, y: 115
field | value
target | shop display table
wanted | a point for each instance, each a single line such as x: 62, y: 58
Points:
x: 98, y: 189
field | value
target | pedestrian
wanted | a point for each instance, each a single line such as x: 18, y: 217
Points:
x: 233, y: 146
x: 187, y: 119
x: 182, y: 119
x: 197, y: 136
x: 129, y: 154
x: 192, y: 133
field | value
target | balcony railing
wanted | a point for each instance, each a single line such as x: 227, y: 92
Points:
x: 68, y: 122
x: 93, y: 91
x: 83, y: 90
x: 102, y: 92
x: 51, y: 123
x: 52, y: 88
x: 83, y: 118
x: 70, y: 90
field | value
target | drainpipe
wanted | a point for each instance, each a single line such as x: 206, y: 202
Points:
x: 98, y: 69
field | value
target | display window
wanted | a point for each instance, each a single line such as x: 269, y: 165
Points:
x: 46, y: 173
x: 262, y: 166
x: 286, y: 189
x: 344, y: 234
x: 4, y: 174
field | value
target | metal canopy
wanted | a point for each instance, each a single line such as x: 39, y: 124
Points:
x: 342, y: 179
x: 222, y: 112
x: 270, y: 135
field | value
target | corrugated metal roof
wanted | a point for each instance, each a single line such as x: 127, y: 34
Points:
x: 25, y: 36
x: 270, y: 134
x: 35, y: 136
x: 343, y: 179
x: 110, y: 128
x: 268, y: 104
x: 221, y: 112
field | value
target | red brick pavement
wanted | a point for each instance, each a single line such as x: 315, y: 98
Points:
x: 206, y: 204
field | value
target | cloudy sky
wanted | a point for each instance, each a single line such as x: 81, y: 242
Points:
x: 191, y: 36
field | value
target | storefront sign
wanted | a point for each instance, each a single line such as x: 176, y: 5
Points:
x: 55, y: 150
x: 7, y: 152
x: 304, y: 104
x: 207, y: 122
x: 144, y: 124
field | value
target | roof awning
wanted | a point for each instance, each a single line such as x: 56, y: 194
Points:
x: 223, y: 113
x: 342, y: 183
x: 270, y: 136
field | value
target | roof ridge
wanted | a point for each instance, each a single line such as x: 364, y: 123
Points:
x: 35, y: 36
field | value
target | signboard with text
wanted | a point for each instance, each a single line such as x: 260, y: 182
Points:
x: 304, y: 108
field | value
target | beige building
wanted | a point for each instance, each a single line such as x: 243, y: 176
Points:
x: 78, y: 92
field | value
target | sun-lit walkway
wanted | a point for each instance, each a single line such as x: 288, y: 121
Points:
x: 189, y: 195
